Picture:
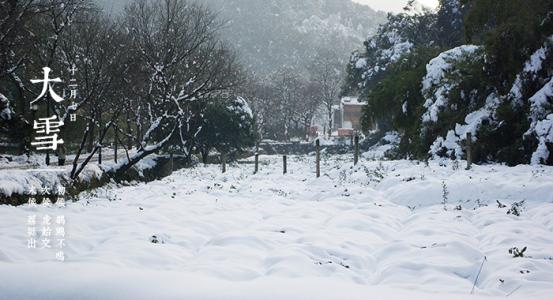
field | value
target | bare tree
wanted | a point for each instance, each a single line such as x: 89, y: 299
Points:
x: 95, y: 48
x: 326, y: 71
x: 260, y: 95
x: 178, y: 61
x: 145, y: 77
x: 308, y: 106
x: 13, y: 22
x: 30, y: 31
x: 287, y: 86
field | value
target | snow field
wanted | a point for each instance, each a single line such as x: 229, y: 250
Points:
x: 378, y: 229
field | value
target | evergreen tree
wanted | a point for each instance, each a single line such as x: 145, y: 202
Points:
x: 227, y: 126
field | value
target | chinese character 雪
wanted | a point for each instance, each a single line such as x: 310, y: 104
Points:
x: 48, y: 126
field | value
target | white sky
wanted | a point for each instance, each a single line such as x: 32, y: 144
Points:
x: 394, y: 5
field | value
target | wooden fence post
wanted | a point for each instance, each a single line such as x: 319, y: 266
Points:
x: 99, y: 138
x: 171, y: 161
x: 100, y: 155
x: 256, y: 163
x: 356, y: 154
x: 116, y: 140
x: 224, y: 162
x: 318, y: 158
x: 284, y: 166
x: 469, y: 150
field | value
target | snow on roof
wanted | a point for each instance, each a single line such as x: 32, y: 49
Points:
x: 351, y: 101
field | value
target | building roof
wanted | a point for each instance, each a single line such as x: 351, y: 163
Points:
x: 351, y: 101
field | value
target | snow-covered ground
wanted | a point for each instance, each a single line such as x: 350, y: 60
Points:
x: 380, y: 230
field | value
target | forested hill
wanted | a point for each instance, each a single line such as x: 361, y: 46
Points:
x: 270, y: 34
x: 483, y: 67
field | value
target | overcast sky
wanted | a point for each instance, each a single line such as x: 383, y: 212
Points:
x: 394, y: 5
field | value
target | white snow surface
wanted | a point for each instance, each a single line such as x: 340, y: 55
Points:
x: 388, y: 143
x: 375, y: 231
x: 29, y: 175
x: 34, y: 181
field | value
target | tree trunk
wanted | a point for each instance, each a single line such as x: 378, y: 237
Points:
x: 205, y: 155
x: 129, y: 131
x: 91, y: 138
x: 142, y: 154
x: 115, y: 142
x: 330, y: 123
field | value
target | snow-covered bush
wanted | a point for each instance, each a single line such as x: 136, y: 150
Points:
x: 538, y: 69
x: 442, y: 77
x: 5, y: 109
x: 393, y: 40
x: 543, y: 130
x: 456, y: 101
x: 227, y: 126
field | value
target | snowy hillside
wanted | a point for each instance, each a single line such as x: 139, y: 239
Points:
x: 272, y: 34
x: 383, y: 230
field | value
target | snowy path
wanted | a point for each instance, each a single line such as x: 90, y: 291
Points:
x: 377, y: 229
